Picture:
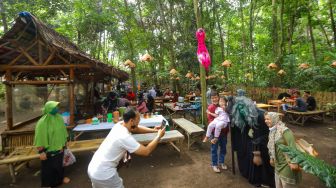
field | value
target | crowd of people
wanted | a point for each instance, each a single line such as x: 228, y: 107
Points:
x: 255, y: 133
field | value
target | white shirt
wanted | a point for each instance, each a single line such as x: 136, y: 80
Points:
x: 152, y: 92
x: 104, y: 162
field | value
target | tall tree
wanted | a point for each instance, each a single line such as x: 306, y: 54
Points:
x: 333, y: 27
x: 311, y: 34
x: 3, y: 16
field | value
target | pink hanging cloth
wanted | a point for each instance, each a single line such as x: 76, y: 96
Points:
x: 202, y: 52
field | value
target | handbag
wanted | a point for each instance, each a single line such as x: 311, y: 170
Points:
x: 257, y: 160
x: 68, y: 158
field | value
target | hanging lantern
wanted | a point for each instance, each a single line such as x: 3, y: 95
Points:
x: 281, y: 72
x: 173, y: 72
x: 146, y: 57
x: 192, y: 78
x: 132, y: 65
x: 197, y: 78
x: 177, y: 78
x: 222, y: 77
x: 227, y: 63
x: 333, y: 64
x: 272, y: 66
x: 304, y: 66
x: 189, y: 75
x: 128, y: 62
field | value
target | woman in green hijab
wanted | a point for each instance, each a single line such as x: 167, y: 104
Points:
x: 50, y: 140
x: 287, y: 174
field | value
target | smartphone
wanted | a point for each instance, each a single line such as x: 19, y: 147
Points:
x: 163, y: 124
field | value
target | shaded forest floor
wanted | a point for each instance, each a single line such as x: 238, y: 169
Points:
x: 165, y: 168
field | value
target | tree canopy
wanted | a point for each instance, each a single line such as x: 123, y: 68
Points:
x: 250, y: 33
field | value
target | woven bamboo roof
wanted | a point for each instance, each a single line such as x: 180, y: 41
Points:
x: 27, y: 29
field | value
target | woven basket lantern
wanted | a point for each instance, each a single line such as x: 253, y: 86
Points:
x: 197, y: 78
x: 333, y: 64
x: 132, y: 65
x: 281, y: 72
x: 146, y: 57
x: 227, y: 63
x: 173, y: 71
x: 272, y: 66
x: 189, y: 75
x: 303, y: 66
x: 128, y: 62
x: 192, y: 78
x: 222, y: 77
x: 178, y: 78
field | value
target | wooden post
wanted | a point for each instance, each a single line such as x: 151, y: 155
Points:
x: 40, y: 55
x: 9, y: 101
x: 202, y: 70
x: 72, y: 96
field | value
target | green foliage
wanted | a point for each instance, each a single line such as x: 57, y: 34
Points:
x: 325, y: 172
x: 114, y: 31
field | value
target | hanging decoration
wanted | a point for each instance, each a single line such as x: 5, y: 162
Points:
x: 189, y: 75
x: 281, y: 72
x: 177, y: 78
x: 222, y: 77
x: 173, y: 71
x: 129, y: 63
x: 197, y: 78
x: 227, y: 63
x: 304, y: 66
x: 146, y: 58
x: 202, y: 52
x: 333, y: 64
x: 272, y: 66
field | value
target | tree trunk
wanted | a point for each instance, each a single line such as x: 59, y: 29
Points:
x: 243, y: 33
x: 275, y: 29
x: 251, y: 24
x: 333, y: 27
x: 3, y: 16
x: 202, y: 69
x: 291, y: 27
x: 311, y: 35
x: 282, y: 42
x: 221, y: 38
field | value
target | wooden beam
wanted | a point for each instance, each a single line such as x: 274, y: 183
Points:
x: 19, y: 56
x: 43, y: 67
x: 25, y: 53
x: 36, y: 82
x: 40, y: 53
x: 9, y: 102
x: 63, y: 59
x: 72, y: 96
x: 51, y: 56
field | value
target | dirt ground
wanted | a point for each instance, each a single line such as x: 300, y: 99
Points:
x: 166, y: 168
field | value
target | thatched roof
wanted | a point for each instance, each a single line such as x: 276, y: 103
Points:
x: 27, y: 29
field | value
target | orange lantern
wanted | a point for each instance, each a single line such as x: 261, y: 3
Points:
x: 197, y: 78
x: 146, y: 57
x: 333, y: 64
x: 272, y: 66
x: 227, y: 63
x: 304, y: 66
x: 189, y: 75
x: 128, y: 62
x: 173, y: 71
x: 222, y: 77
x: 281, y: 72
x: 178, y: 78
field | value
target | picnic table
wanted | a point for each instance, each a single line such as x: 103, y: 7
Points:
x: 264, y: 106
x: 180, y: 111
x: 22, y: 155
x: 155, y: 120
x: 277, y: 103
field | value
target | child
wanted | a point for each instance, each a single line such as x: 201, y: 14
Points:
x: 220, y: 122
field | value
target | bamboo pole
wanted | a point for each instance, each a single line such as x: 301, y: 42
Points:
x: 71, y: 96
x: 9, y: 102
x: 42, y: 67
x: 202, y: 70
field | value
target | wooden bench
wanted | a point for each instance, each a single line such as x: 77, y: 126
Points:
x: 22, y: 155
x: 192, y: 130
x: 299, y: 118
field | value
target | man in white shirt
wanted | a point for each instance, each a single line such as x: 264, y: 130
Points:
x: 102, y: 169
x: 152, y: 92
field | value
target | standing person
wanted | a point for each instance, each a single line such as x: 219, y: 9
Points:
x: 102, y: 169
x: 167, y: 94
x: 287, y: 174
x: 150, y: 103
x: 310, y: 101
x: 221, y: 121
x: 152, y: 92
x: 217, y: 159
x: 122, y: 100
x: 50, y: 140
x: 142, y: 106
x: 110, y: 104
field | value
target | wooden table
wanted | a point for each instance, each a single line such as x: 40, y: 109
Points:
x: 278, y: 103
x: 264, y: 106
x: 182, y: 111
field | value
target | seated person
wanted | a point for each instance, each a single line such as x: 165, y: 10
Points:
x: 142, y: 106
x: 300, y: 104
x: 175, y: 96
x: 158, y: 91
x: 283, y: 95
x: 167, y: 93
x: 122, y: 100
x: 130, y: 95
x: 310, y: 101
x: 110, y: 104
